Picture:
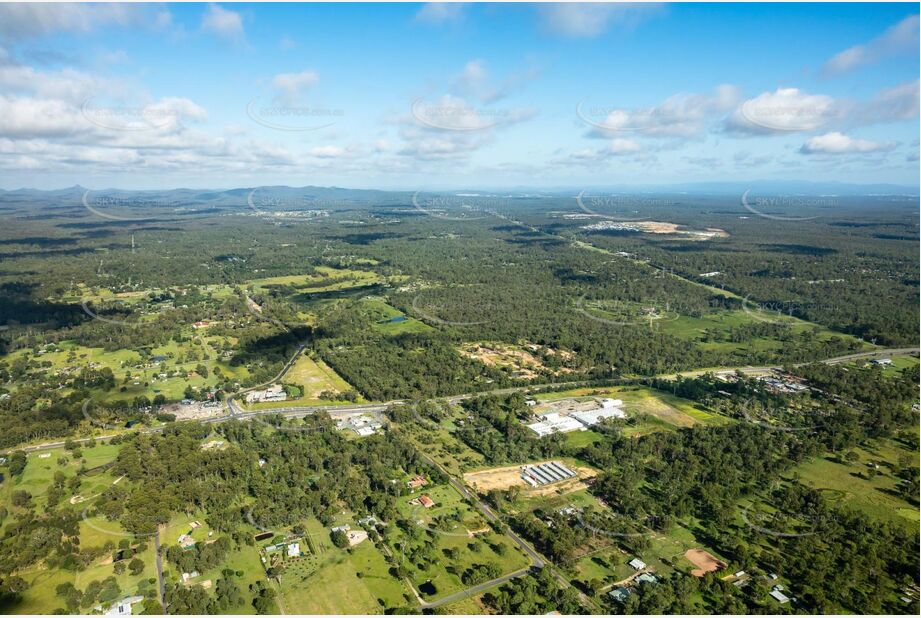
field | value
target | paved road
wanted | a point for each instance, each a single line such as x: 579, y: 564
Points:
x: 161, y: 585
x: 236, y: 412
x: 463, y: 594
x: 768, y: 368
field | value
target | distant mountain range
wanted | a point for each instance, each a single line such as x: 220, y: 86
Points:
x: 765, y: 187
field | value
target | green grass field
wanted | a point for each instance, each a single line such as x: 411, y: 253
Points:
x: 456, y: 549
x: 851, y: 485
x: 179, y: 359
x: 326, y: 279
x: 95, y: 532
x: 721, y: 321
x: 354, y: 581
x: 314, y: 377
x: 391, y: 321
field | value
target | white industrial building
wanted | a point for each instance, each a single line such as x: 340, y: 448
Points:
x: 276, y: 392
x: 555, y: 423
x: 577, y: 421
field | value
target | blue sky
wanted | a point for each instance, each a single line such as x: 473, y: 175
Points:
x: 461, y: 95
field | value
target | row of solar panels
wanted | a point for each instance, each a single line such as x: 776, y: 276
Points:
x: 545, y: 473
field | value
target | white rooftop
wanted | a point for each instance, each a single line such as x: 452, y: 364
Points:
x: 554, y: 423
x: 591, y: 417
x: 781, y: 597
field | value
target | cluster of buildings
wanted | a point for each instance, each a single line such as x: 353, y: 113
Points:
x: 362, y: 424
x: 621, y: 594
x: 581, y: 420
x: 185, y: 540
x: 276, y: 392
x: 779, y: 386
x: 546, y: 473
x: 354, y: 536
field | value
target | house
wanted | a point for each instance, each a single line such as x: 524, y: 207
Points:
x: 637, y: 564
x: 342, y: 528
x: 647, y: 578
x: 779, y: 596
x: 426, y: 501
x: 416, y: 482
x: 201, y: 324
x: 882, y: 362
x: 620, y: 594
x: 123, y: 607
x: 186, y: 541
x: 294, y: 550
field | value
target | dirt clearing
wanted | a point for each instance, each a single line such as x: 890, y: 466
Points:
x: 704, y: 561
x: 510, y: 476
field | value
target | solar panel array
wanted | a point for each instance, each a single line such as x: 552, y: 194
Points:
x: 546, y: 473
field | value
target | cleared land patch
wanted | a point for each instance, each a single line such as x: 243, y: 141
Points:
x: 510, y: 476
x: 704, y: 561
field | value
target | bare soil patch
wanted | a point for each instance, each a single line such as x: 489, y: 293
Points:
x: 510, y: 476
x: 704, y: 561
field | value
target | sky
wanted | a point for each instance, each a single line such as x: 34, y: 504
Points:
x: 450, y: 96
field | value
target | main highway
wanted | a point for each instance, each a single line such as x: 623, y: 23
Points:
x: 235, y: 412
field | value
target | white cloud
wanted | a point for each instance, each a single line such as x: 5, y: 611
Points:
x: 621, y: 146
x: 585, y: 20
x: 72, y: 121
x: 290, y: 86
x: 839, y: 143
x: 24, y: 20
x: 790, y: 110
x: 327, y: 152
x: 681, y: 115
x: 438, y: 13
x: 901, y: 38
x: 784, y: 110
x: 223, y: 22
x: 890, y: 105
x: 474, y: 81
